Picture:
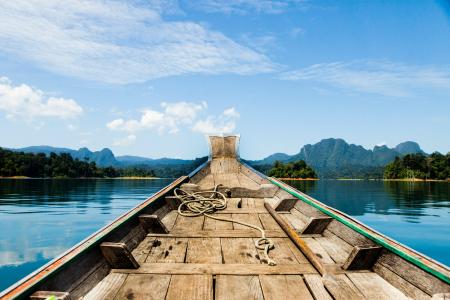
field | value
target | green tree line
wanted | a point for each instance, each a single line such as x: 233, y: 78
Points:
x: 59, y: 165
x: 434, y: 166
x: 296, y: 169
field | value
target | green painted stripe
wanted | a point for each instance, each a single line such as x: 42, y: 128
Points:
x: 379, y: 240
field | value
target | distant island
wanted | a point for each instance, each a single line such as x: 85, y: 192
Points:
x: 294, y: 170
x: 418, y: 166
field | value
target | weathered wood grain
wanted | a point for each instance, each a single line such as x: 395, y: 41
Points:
x: 337, y: 248
x: 191, y: 287
x: 219, y: 269
x: 407, y: 288
x: 286, y: 287
x: 372, y: 286
x: 204, y: 250
x: 315, y: 285
x: 268, y: 222
x: 107, y: 288
x: 189, y: 223
x: 144, y: 286
x: 212, y: 224
x: 416, y: 276
x: 316, y: 225
x: 249, y: 233
x: 247, y: 218
x: 318, y: 250
x: 239, y: 250
x: 118, y: 255
x: 168, y: 250
x: 362, y: 258
x: 229, y: 287
x: 341, y: 288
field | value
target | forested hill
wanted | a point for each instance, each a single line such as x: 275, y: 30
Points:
x: 15, y: 163
x: 335, y: 158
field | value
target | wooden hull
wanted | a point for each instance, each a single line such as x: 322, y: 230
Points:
x: 152, y: 252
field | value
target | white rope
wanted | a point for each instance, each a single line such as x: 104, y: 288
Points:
x: 207, y: 202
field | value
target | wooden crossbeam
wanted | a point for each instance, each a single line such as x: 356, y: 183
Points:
x: 118, y: 256
x: 362, y: 257
x: 220, y: 269
x: 220, y: 233
x: 42, y: 295
x: 152, y: 223
x: 316, y: 225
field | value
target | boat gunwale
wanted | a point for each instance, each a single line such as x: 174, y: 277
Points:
x: 61, y: 261
x: 416, y: 258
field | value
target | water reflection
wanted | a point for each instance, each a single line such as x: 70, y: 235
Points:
x: 39, y: 219
x: 414, y: 213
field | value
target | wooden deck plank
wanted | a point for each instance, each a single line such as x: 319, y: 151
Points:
x: 212, y: 224
x: 232, y: 204
x: 204, y: 250
x: 229, y: 287
x: 247, y: 218
x: 372, y: 286
x: 315, y: 285
x: 219, y: 269
x: 268, y: 222
x: 239, y: 250
x: 336, y: 248
x: 294, y: 221
x: 284, y: 287
x: 107, y: 288
x: 167, y: 250
x: 301, y: 258
x: 281, y: 253
x: 144, y: 286
x: 248, y: 203
x: 318, y: 250
x: 141, y: 252
x: 190, y: 287
x: 341, y: 288
x: 191, y: 223
x: 248, y: 233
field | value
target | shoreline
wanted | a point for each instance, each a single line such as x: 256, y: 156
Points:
x: 59, y: 178
x: 299, y: 179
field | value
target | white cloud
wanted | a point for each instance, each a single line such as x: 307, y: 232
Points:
x: 169, y: 119
x: 118, y: 42
x: 127, y: 141
x: 30, y: 103
x: 222, y: 124
x: 377, y: 77
x: 246, y: 6
x: 172, y: 117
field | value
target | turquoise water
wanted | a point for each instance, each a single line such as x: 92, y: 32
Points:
x: 417, y: 214
x: 39, y: 219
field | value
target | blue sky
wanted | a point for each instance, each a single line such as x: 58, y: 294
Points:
x: 152, y: 77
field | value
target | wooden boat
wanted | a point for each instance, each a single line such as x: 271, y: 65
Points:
x: 153, y: 252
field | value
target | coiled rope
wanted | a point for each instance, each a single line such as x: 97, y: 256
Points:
x: 207, y: 202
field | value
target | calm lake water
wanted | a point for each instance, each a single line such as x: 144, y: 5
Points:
x: 39, y: 219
